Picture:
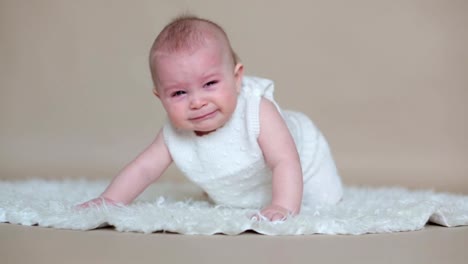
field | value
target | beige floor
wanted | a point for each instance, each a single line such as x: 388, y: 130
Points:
x: 22, y: 244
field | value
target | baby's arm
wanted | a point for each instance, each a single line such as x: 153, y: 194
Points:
x: 137, y: 175
x: 281, y: 155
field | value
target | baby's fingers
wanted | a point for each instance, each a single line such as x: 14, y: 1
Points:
x: 96, y: 202
x: 90, y: 203
x: 274, y: 216
x: 269, y: 215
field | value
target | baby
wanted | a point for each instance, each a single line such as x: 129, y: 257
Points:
x: 225, y: 131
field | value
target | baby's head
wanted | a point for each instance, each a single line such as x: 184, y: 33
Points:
x: 196, y: 74
x: 187, y: 34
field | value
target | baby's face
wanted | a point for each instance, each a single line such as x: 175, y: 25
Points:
x: 198, y: 90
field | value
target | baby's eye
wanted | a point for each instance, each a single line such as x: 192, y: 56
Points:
x: 210, y: 83
x: 177, y: 93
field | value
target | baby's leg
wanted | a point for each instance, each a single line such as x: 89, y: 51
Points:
x: 325, y: 186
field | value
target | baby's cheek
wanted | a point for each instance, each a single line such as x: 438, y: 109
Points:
x: 175, y: 122
x: 229, y: 100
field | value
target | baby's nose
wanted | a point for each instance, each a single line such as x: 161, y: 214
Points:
x: 197, y: 101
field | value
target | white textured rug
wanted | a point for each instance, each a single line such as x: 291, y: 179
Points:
x: 181, y: 208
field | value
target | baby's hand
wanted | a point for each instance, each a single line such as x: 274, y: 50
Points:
x: 96, y: 202
x: 273, y: 213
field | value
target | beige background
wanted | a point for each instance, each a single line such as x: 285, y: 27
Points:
x: 386, y: 81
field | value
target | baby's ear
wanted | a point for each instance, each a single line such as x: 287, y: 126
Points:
x: 155, y: 92
x: 238, y: 74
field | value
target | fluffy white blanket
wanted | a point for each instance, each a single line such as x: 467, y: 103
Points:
x: 181, y: 208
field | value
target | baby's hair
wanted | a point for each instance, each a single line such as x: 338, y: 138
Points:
x: 187, y: 33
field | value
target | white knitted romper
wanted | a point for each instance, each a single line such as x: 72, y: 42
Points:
x: 229, y: 165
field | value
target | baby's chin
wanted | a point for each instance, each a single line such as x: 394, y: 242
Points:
x: 201, y: 130
x: 196, y: 131
x: 203, y: 133
x: 207, y: 130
